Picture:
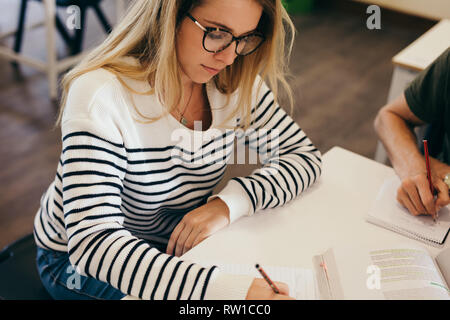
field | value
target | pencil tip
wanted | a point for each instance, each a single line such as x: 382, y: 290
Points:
x: 257, y: 265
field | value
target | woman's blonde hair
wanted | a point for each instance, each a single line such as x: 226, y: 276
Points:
x: 147, y: 32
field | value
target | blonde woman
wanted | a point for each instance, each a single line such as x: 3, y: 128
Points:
x: 131, y: 192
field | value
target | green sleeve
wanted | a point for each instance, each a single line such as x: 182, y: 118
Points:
x: 428, y: 94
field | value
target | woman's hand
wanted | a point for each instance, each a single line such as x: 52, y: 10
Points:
x: 260, y: 290
x: 197, y: 225
x: 414, y: 192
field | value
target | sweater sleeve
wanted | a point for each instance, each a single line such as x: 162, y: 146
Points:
x: 94, y: 164
x: 290, y: 162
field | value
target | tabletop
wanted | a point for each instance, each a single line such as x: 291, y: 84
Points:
x: 419, y: 54
x: 329, y: 214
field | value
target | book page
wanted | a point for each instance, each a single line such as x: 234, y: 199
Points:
x: 350, y: 274
x: 387, y: 210
x: 443, y: 262
x: 408, y: 273
x: 301, y: 282
x: 401, y: 272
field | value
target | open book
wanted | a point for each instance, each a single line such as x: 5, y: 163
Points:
x: 398, y: 273
x: 388, y: 213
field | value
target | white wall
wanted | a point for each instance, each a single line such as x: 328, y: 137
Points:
x: 432, y: 9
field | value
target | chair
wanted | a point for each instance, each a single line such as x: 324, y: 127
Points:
x: 73, y: 42
x: 52, y: 66
x: 19, y: 278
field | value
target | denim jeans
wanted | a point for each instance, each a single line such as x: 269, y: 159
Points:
x: 62, y: 281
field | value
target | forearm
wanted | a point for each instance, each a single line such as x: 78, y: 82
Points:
x: 400, y: 143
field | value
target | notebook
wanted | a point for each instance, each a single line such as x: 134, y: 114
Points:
x: 388, y: 213
x: 301, y: 282
x: 402, y: 272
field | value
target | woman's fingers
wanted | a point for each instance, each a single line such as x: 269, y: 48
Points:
x: 261, y: 290
x: 190, y: 241
x: 174, y: 237
x: 182, y: 239
x: 283, y: 287
x: 184, y: 235
x: 196, y: 225
x: 284, y: 291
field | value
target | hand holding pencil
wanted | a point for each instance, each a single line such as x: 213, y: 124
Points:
x: 423, y: 190
x: 266, y: 289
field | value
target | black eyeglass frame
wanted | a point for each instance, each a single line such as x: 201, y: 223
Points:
x: 207, y: 30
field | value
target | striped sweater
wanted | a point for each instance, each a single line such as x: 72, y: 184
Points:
x: 122, y: 185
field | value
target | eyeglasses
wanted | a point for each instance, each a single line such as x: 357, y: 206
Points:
x: 217, y: 39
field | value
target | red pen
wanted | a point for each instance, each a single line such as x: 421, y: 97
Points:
x: 427, y: 162
x: 266, y: 277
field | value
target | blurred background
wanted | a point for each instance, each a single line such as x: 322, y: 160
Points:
x: 341, y: 75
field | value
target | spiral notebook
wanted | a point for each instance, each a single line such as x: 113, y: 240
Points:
x: 388, y: 213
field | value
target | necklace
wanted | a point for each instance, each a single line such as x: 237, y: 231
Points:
x: 183, y: 120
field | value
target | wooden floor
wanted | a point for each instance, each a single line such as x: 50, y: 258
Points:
x: 341, y: 76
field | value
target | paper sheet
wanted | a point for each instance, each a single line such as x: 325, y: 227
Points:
x: 301, y: 282
x: 397, y: 272
x: 409, y: 273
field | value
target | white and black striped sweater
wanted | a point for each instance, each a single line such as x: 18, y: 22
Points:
x: 122, y: 185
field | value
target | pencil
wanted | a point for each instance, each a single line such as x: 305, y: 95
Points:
x: 427, y: 162
x: 266, y: 277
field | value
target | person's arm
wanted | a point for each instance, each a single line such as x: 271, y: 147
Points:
x: 394, y: 125
x: 291, y: 163
x: 94, y: 164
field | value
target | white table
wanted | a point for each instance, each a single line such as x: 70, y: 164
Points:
x: 330, y: 214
